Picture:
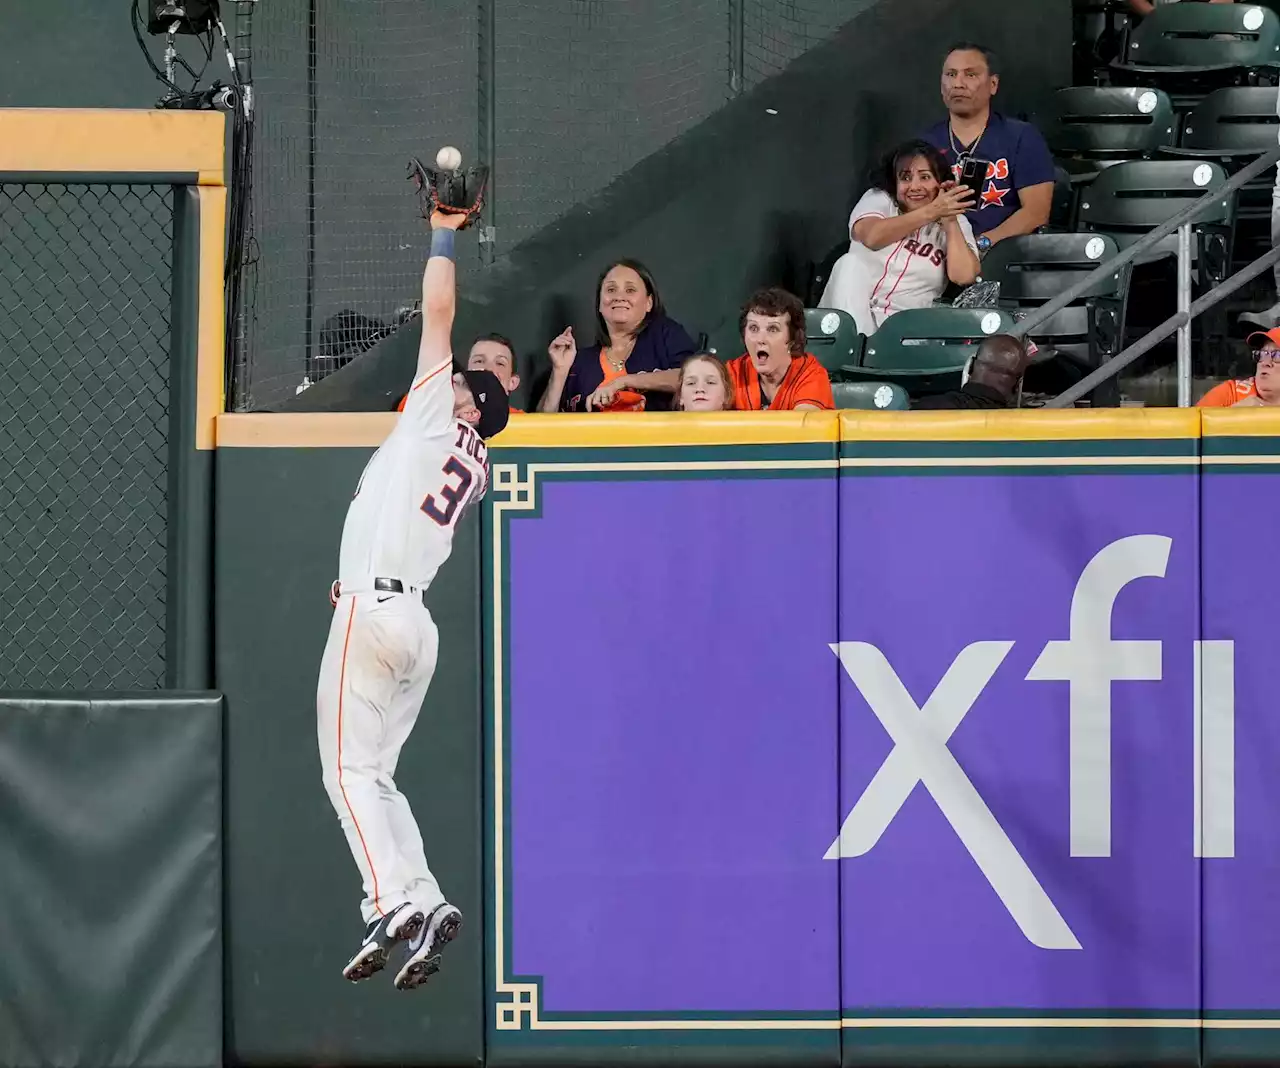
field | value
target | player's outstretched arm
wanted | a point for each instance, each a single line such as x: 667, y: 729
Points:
x: 439, y: 293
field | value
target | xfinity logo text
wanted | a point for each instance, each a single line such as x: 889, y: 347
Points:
x: 1089, y: 661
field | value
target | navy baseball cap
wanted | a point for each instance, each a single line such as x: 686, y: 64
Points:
x: 491, y: 399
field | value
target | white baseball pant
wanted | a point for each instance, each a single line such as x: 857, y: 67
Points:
x: 375, y: 672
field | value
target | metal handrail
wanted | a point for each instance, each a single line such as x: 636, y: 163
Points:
x: 1175, y: 322
x: 1242, y: 177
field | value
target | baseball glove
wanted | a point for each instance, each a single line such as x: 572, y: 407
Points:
x: 450, y: 192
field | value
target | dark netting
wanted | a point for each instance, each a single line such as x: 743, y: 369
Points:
x: 776, y: 32
x: 391, y: 79
x: 570, y: 94
x: 585, y: 91
x: 84, y: 330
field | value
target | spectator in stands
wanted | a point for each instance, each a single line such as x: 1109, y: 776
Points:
x: 1145, y: 7
x: 634, y: 364
x: 494, y: 352
x: 490, y: 352
x: 908, y: 236
x: 1262, y: 390
x: 991, y: 379
x: 704, y: 385
x: 775, y: 373
x: 1018, y: 194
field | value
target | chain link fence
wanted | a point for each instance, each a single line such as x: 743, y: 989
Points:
x: 84, y: 333
x: 777, y: 32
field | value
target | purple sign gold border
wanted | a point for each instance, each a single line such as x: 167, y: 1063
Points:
x: 1079, y: 442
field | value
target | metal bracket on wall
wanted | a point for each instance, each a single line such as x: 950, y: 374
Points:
x: 737, y: 46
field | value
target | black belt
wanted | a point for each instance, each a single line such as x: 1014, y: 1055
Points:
x: 390, y: 585
x: 380, y: 585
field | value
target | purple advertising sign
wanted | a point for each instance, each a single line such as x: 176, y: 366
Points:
x: 1028, y: 842
x: 896, y: 738
x: 1242, y: 884
x: 671, y: 728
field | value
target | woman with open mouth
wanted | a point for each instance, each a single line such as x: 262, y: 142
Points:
x: 908, y: 237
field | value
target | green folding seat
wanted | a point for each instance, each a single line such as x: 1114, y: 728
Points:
x: 1129, y: 200
x: 1101, y: 124
x: 1191, y: 38
x: 832, y: 337
x: 870, y: 396
x: 924, y: 350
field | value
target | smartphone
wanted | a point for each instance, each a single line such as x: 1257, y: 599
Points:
x: 973, y: 173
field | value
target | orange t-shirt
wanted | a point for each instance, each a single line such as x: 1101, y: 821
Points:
x: 625, y: 400
x: 1227, y: 393
x: 806, y: 382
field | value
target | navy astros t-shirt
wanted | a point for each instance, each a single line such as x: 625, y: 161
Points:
x: 1018, y: 157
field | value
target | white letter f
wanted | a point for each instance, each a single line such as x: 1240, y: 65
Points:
x: 1089, y: 661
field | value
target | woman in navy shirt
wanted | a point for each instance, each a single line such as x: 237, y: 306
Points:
x: 635, y: 363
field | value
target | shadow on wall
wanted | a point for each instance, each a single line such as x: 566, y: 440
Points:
x: 752, y: 196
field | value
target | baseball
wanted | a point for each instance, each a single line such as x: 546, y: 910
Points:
x: 448, y: 158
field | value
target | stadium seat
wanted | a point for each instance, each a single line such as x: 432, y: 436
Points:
x: 1229, y: 123
x: 726, y: 342
x: 1090, y: 127
x: 1189, y: 49
x: 1198, y: 38
x: 1034, y: 269
x: 924, y: 350
x: 1131, y: 199
x: 1099, y: 30
x: 870, y: 396
x: 1234, y: 126
x: 832, y: 336
x: 1065, y: 206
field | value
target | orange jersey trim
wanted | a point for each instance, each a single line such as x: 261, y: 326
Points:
x: 806, y: 382
x: 431, y: 374
x: 342, y: 689
x: 400, y: 406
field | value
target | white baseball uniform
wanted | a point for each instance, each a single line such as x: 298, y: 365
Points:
x: 872, y: 284
x: 382, y: 646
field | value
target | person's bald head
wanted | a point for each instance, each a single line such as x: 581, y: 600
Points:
x: 1000, y: 362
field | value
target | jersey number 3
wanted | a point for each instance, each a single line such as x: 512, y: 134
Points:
x: 452, y: 494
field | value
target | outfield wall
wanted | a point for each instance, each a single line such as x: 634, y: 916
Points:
x: 1020, y: 813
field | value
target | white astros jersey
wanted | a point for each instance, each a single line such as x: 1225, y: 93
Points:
x: 415, y: 488
x: 872, y: 284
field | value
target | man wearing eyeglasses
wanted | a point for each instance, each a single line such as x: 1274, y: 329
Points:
x: 1263, y: 389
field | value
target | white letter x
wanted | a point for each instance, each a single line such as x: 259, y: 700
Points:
x: 920, y: 754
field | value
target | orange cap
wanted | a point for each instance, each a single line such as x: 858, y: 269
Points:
x: 1272, y: 335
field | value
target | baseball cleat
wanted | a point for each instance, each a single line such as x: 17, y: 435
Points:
x: 441, y: 928
x: 402, y: 924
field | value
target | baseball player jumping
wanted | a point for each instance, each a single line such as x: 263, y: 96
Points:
x: 382, y: 645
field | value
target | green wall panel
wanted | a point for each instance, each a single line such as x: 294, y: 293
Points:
x: 110, y: 875
x: 293, y: 892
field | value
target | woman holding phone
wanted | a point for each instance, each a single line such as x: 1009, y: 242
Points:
x: 908, y: 238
